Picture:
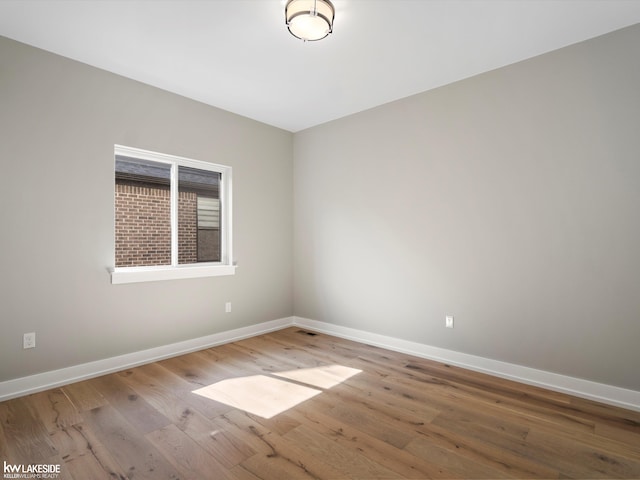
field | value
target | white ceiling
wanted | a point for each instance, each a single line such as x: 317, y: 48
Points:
x: 238, y: 55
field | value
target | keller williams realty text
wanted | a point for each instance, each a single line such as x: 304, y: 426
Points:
x: 31, y: 471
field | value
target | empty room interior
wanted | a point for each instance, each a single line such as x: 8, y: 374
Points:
x: 269, y: 239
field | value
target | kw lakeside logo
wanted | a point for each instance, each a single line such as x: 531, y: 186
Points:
x: 31, y: 471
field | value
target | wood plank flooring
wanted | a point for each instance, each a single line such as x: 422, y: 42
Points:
x: 298, y: 405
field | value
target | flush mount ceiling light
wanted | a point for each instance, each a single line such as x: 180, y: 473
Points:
x: 309, y: 20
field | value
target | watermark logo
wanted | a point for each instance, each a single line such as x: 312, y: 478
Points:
x: 40, y: 470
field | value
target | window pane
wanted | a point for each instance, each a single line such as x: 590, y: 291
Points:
x: 142, y: 213
x: 198, y: 215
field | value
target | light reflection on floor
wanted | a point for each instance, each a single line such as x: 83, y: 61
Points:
x: 322, y: 377
x: 266, y: 396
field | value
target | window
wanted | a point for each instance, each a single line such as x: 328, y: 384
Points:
x: 172, y: 217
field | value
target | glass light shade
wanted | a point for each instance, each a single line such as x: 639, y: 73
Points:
x: 309, y: 19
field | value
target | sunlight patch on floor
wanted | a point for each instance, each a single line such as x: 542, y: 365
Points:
x: 258, y: 394
x: 322, y: 377
x: 267, y: 397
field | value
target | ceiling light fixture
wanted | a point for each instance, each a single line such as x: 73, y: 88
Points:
x: 309, y: 20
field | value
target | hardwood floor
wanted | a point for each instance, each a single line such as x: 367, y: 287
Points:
x: 297, y: 405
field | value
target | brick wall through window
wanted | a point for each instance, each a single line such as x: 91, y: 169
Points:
x: 143, y: 226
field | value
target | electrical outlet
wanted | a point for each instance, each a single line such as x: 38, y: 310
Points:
x: 448, y: 321
x: 29, y: 340
x: 227, y: 307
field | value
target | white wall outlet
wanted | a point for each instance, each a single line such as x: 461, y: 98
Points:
x: 448, y: 321
x: 29, y: 340
x: 227, y: 307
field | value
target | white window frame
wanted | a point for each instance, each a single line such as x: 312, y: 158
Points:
x: 193, y: 270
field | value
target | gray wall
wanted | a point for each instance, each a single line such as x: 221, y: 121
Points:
x: 59, y: 121
x: 510, y: 200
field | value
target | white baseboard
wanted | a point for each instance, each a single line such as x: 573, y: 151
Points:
x: 620, y: 397
x: 64, y: 376
x: 608, y: 394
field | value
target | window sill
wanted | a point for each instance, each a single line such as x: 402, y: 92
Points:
x: 152, y: 274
